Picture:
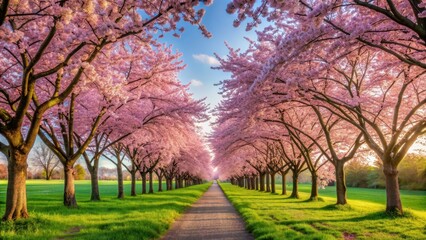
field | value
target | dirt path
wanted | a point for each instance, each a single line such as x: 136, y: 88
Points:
x: 211, y: 217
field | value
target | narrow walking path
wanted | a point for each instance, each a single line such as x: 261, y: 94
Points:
x: 211, y: 217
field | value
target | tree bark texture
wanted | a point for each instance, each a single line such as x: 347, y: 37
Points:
x: 284, y: 184
x: 340, y: 184
x: 120, y: 194
x: 133, y: 184
x: 295, y: 191
x: 314, y: 187
x: 16, y: 197
x: 393, y: 199
x: 151, y: 184
x: 69, y: 187
x: 95, y: 196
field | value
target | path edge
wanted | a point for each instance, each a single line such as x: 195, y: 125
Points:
x: 246, y: 225
x: 184, y: 211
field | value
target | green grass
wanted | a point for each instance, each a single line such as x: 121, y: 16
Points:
x: 415, y: 200
x: 273, y: 216
x: 141, y: 217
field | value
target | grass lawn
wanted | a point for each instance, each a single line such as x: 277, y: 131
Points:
x: 273, y: 216
x: 141, y: 217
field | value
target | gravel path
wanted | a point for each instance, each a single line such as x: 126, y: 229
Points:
x: 211, y: 217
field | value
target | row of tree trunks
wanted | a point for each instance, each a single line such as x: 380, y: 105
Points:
x: 180, y: 182
x: 169, y: 183
x: 257, y: 182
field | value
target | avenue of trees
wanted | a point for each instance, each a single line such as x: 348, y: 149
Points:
x: 89, y: 79
x: 325, y: 83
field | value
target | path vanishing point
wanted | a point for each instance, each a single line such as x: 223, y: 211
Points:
x: 211, y: 217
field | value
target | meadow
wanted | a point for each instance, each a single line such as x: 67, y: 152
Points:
x: 274, y: 216
x: 142, y: 217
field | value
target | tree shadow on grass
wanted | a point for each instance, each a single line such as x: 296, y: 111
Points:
x: 367, y: 217
x: 137, y: 217
x: 170, y: 200
x: 126, y: 229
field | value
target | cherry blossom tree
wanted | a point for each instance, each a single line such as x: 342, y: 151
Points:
x: 115, y: 154
x: 355, y: 61
x: 387, y: 107
x: 153, y: 91
x: 30, y: 36
x: 394, y: 27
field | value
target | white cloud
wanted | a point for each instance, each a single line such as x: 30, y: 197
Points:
x: 209, y: 60
x: 196, y: 83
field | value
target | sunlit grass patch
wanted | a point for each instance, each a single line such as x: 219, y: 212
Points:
x: 142, y: 217
x: 271, y: 216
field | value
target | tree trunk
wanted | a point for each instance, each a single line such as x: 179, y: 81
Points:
x: 120, y: 181
x: 314, y: 187
x: 393, y: 199
x: 167, y: 184
x: 143, y: 175
x: 256, y: 182
x: 272, y: 182
x: 253, y: 182
x: 262, y: 182
x: 160, y: 183
x: 177, y: 183
x: 170, y: 184
x: 151, y: 186
x: 284, y: 184
x: 268, y: 186
x: 16, y: 198
x: 133, y: 188
x: 295, y: 191
x: 340, y: 183
x: 95, y: 185
x: 69, y: 188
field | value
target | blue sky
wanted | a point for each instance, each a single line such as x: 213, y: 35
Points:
x: 198, y: 51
